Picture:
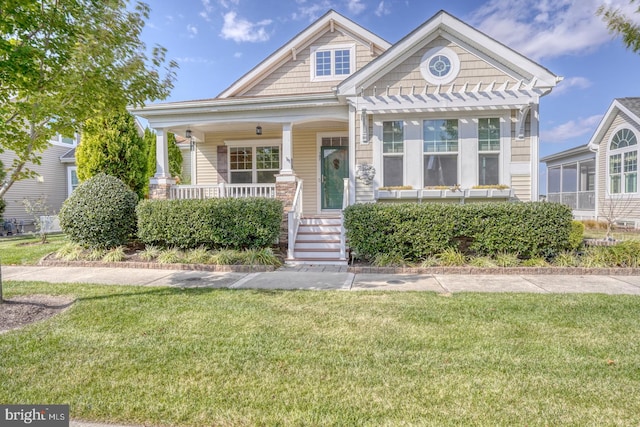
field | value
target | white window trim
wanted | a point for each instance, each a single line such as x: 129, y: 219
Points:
x: 57, y: 140
x: 332, y: 48
x: 449, y: 54
x: 254, y: 144
x: 611, y: 152
x: 69, y: 182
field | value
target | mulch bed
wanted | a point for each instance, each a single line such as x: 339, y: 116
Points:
x: 24, y: 310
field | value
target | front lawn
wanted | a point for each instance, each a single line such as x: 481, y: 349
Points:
x: 28, y: 249
x: 197, y: 357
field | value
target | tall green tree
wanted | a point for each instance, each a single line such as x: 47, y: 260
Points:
x: 622, y: 25
x: 112, y: 145
x: 175, y: 155
x: 64, y: 61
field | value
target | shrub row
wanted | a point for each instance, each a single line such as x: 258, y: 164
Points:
x: 212, y: 223
x: 417, y: 231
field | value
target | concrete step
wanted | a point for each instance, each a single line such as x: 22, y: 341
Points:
x: 317, y: 237
x: 328, y: 244
x: 322, y: 229
x: 320, y: 221
x: 316, y: 253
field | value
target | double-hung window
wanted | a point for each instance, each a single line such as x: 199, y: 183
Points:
x: 489, y: 151
x: 440, y: 146
x: 254, y: 164
x: 623, y: 162
x: 392, y: 153
x: 332, y: 63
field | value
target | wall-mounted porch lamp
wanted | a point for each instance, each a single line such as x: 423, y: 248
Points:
x: 258, y: 130
x: 187, y: 134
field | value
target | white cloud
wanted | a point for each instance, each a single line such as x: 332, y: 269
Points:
x: 193, y: 30
x: 546, y: 28
x: 193, y: 60
x: 355, y: 6
x: 241, y: 30
x: 382, y: 9
x: 571, y: 82
x: 227, y: 3
x: 571, y: 129
x: 206, y: 4
x: 237, y: 55
x: 312, y: 12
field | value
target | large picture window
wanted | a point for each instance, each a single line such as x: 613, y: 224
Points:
x: 254, y: 164
x: 392, y: 153
x: 440, y: 146
x: 623, y: 162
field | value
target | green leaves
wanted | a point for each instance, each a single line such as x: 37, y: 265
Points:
x: 65, y: 61
x: 622, y: 25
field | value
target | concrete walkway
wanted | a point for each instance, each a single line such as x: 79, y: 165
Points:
x: 329, y: 278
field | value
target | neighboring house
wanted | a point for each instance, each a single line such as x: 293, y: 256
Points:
x: 56, y: 180
x: 599, y: 180
x: 615, y: 143
x: 445, y: 108
x: 571, y: 180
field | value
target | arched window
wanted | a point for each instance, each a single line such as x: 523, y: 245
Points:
x: 623, y: 162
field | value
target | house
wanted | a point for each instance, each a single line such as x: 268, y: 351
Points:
x: 615, y: 143
x: 339, y: 116
x: 571, y: 180
x: 56, y: 180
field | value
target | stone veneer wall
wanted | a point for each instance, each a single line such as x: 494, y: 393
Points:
x: 285, y: 192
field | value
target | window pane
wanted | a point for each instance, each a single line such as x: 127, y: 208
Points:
x: 323, y: 63
x: 392, y: 137
x: 68, y: 140
x: 440, y: 170
x: 440, y: 135
x: 489, y: 134
x: 392, y: 171
x: 268, y: 158
x: 267, y: 176
x: 631, y: 161
x: 569, y: 178
x: 489, y: 169
x: 342, y: 59
x: 241, y: 158
x: 554, y: 180
x: 631, y: 182
x: 241, y: 177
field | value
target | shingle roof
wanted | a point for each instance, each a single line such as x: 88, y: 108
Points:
x: 633, y: 104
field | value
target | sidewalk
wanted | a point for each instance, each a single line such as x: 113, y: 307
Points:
x: 329, y: 278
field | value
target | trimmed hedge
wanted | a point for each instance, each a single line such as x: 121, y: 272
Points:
x: 100, y: 213
x: 213, y: 223
x: 416, y: 231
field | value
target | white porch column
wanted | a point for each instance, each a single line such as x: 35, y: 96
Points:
x: 160, y: 184
x: 535, y: 150
x: 287, y: 150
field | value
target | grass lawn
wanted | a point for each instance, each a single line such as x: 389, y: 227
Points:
x: 27, y: 249
x: 197, y: 357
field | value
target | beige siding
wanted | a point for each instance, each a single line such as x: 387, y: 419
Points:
x: 624, y: 208
x: 186, y: 166
x: 521, y: 186
x: 294, y: 76
x: 305, y: 165
x: 364, y: 155
x: 473, y: 70
x: 520, y: 148
x: 52, y: 184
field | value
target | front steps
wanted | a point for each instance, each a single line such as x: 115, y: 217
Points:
x: 318, y: 242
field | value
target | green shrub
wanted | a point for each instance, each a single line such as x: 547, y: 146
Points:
x: 211, y: 223
x: 114, y: 255
x: 171, y: 256
x: 389, y: 260
x: 535, y: 262
x: 506, y: 259
x: 566, y: 259
x: 417, y: 231
x: 576, y: 235
x: 625, y: 254
x: 452, y: 257
x: 100, y: 213
x: 3, y: 205
x: 482, y: 261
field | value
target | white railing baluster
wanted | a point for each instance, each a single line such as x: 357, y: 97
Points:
x: 204, y: 191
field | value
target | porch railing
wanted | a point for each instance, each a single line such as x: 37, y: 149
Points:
x: 581, y: 200
x: 223, y: 190
x: 294, y: 216
x: 343, y: 231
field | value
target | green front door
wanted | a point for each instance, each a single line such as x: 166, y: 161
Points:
x: 335, y: 168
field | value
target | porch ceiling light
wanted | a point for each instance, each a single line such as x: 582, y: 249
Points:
x: 187, y: 134
x: 258, y: 130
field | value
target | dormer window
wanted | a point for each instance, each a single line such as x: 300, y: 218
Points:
x: 333, y: 62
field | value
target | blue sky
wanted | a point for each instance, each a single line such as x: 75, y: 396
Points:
x: 216, y: 41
